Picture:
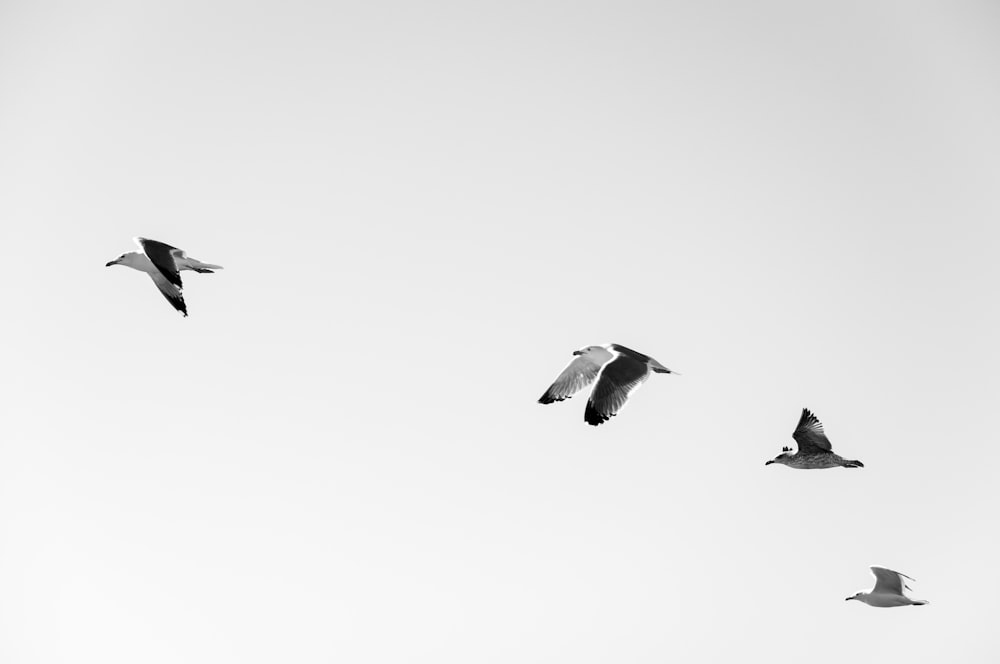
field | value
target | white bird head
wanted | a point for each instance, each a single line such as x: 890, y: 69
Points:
x: 131, y: 259
x: 586, y: 350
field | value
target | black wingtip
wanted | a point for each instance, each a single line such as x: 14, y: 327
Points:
x: 177, y: 303
x: 551, y: 397
x: 808, y: 417
x: 593, y: 417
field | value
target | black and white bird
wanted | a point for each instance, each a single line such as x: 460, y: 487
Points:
x: 163, y: 264
x: 619, y: 372
x: 888, y: 590
x: 815, y: 450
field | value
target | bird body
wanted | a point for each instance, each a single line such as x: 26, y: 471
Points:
x: 619, y: 371
x: 888, y: 591
x: 815, y: 450
x: 139, y: 261
x: 884, y: 601
x: 164, y: 264
x: 818, y: 460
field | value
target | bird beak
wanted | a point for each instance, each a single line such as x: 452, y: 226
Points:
x: 578, y: 352
x: 768, y: 463
x: 848, y: 599
x: 110, y: 263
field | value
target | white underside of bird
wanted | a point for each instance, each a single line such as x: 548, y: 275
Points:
x: 886, y: 600
x: 142, y: 263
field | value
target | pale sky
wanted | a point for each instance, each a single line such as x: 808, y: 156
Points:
x: 422, y: 210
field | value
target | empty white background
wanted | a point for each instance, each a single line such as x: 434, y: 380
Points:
x: 422, y: 209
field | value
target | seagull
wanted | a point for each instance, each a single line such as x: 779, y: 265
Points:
x: 622, y: 370
x: 888, y: 590
x: 814, y: 448
x: 163, y: 264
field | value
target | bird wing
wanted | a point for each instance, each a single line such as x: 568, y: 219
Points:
x: 172, y: 293
x: 577, y: 375
x: 653, y: 364
x: 621, y: 376
x: 628, y: 351
x: 888, y: 581
x: 809, y: 434
x: 162, y: 256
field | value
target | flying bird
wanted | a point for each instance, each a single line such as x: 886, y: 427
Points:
x: 619, y: 372
x: 888, y: 590
x: 163, y: 264
x: 814, y: 448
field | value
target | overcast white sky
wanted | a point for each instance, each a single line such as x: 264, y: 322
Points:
x: 423, y: 209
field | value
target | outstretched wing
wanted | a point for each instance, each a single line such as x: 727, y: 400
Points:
x: 809, y: 434
x: 621, y: 376
x: 580, y: 373
x: 888, y: 581
x: 162, y: 256
x: 172, y: 293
